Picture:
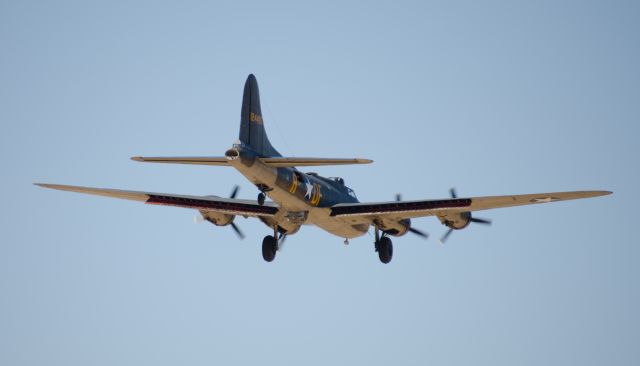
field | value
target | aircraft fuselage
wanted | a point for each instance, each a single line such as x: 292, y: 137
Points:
x: 305, y: 198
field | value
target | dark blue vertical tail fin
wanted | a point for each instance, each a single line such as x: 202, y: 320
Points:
x: 252, y: 132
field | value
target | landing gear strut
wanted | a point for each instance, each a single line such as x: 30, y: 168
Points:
x: 270, y: 245
x: 384, y: 247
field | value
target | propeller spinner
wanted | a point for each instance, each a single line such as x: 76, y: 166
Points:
x: 468, y: 215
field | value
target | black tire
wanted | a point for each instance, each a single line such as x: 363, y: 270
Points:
x: 269, y: 247
x: 261, y: 198
x: 385, y: 250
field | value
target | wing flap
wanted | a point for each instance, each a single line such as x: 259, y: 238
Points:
x: 399, y: 207
x: 211, y: 203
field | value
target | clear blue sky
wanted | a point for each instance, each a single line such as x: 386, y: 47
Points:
x: 489, y: 97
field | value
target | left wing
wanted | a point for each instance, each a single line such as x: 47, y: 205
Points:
x: 210, y: 203
x: 366, y: 212
x: 195, y: 160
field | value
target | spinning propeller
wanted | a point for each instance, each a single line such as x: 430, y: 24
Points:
x: 453, y: 193
x: 411, y: 229
x: 199, y: 218
x: 235, y: 227
x: 281, y: 239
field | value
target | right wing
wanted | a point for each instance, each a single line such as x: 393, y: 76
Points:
x: 291, y: 162
x: 208, y: 203
x: 274, y: 162
x: 398, y: 210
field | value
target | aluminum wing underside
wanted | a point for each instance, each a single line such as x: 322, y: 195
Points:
x: 397, y: 210
x: 209, y: 203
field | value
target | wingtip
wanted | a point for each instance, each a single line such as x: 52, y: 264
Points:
x: 45, y: 185
x: 137, y: 158
x: 591, y: 194
x: 603, y: 193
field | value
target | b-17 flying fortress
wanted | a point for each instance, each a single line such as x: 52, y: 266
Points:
x: 309, y: 199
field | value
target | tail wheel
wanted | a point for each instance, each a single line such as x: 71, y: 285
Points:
x: 385, y: 249
x: 269, y: 247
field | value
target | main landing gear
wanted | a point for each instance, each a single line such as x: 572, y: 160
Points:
x: 262, y: 196
x: 271, y: 244
x: 383, y: 246
x: 269, y: 248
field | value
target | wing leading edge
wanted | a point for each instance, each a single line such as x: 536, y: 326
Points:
x: 209, y: 203
x: 409, y: 209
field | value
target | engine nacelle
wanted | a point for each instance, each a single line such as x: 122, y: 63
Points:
x: 456, y: 220
x: 216, y: 218
x: 398, y: 228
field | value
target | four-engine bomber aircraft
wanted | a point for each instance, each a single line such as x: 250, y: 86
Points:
x: 308, y: 198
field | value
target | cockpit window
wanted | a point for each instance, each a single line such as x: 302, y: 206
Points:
x: 351, y: 193
x: 337, y: 179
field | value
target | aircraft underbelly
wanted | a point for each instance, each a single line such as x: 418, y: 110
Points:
x: 259, y: 173
x: 318, y: 216
x: 336, y: 226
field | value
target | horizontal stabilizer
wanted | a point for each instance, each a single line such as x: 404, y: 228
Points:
x: 197, y: 160
x: 291, y: 162
x: 275, y: 162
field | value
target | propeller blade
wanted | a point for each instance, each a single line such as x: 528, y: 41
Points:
x: 281, y: 242
x: 453, y: 193
x: 480, y: 221
x: 446, y: 235
x: 237, y: 230
x: 235, y: 191
x: 419, y: 233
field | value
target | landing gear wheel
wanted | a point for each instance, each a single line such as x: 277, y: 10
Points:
x: 261, y: 198
x: 269, y: 247
x: 385, y: 249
